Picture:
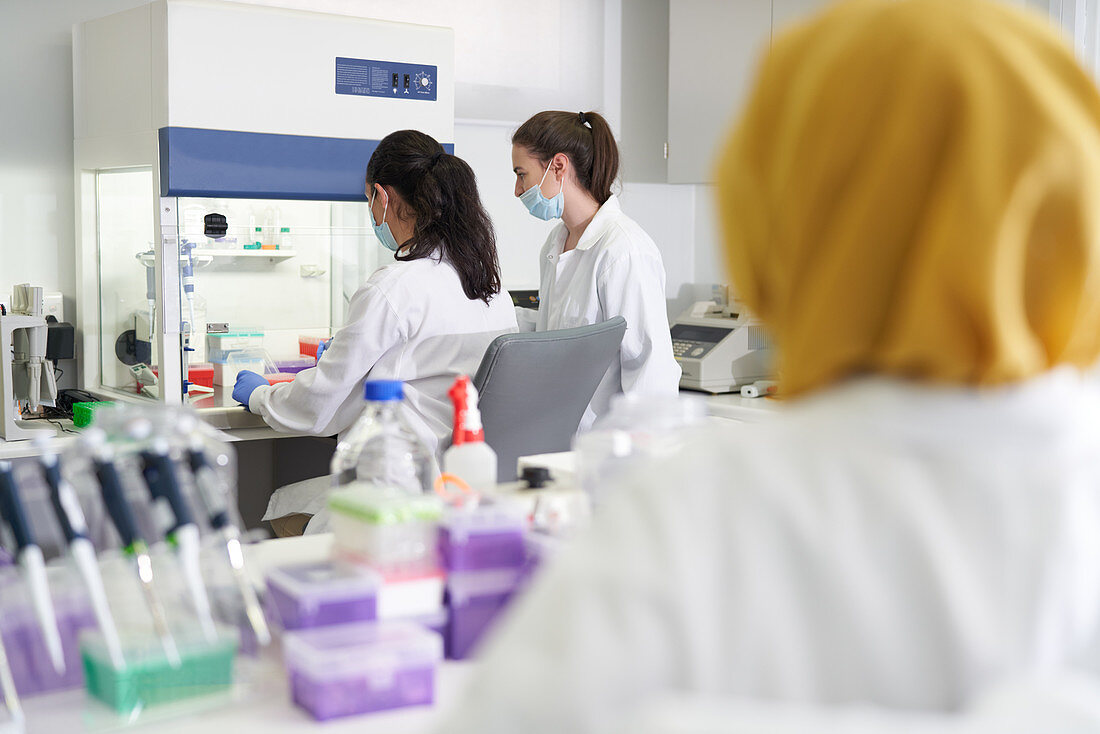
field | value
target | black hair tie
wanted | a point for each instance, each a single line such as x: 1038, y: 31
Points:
x: 583, y: 118
x: 435, y: 159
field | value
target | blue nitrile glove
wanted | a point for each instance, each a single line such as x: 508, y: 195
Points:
x: 322, y: 346
x: 247, y: 382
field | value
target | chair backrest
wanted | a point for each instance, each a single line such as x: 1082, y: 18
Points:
x: 534, y: 387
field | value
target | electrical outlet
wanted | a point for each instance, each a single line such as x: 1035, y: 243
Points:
x: 54, y: 305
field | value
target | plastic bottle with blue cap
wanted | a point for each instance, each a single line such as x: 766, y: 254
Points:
x: 381, y: 448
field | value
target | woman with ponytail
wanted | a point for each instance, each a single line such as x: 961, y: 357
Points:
x: 422, y: 319
x: 597, y: 263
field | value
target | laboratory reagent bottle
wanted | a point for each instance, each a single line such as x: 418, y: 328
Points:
x: 380, y: 448
x: 469, y: 458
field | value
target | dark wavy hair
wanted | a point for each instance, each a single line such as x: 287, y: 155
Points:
x: 441, y: 191
x: 583, y: 136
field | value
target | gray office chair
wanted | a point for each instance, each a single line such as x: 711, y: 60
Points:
x: 534, y: 387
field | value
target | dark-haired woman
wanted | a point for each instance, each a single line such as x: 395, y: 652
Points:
x: 598, y: 263
x: 421, y: 319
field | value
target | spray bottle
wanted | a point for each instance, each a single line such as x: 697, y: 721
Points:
x: 469, y: 458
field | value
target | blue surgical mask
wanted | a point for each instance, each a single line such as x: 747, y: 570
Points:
x: 382, y: 231
x: 539, y: 205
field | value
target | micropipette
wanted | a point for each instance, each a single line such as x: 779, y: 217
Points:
x: 33, y: 563
x: 188, y: 280
x: 71, y: 517
x: 160, y: 475
x: 213, y: 495
x: 7, y: 687
x: 134, y: 545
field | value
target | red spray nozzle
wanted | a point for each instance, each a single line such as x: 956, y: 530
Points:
x: 467, y: 427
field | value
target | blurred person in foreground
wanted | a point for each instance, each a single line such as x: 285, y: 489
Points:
x: 911, y: 203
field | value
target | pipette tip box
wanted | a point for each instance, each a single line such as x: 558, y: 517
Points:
x: 390, y: 530
x: 31, y: 668
x: 148, y: 678
x: 294, y: 366
x: 324, y: 593
x: 362, y: 668
x: 84, y: 413
x: 483, y: 537
x: 475, y: 600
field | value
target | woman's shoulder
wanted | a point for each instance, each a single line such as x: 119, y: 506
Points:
x: 399, y: 273
x: 623, y: 236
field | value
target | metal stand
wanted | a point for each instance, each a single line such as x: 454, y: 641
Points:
x: 11, y: 427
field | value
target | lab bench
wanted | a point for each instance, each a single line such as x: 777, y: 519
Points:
x: 266, y: 459
x: 262, y: 706
x: 735, y: 407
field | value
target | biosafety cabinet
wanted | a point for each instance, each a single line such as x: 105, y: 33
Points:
x: 220, y: 161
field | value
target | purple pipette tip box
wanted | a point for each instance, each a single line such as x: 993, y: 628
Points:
x: 486, y: 537
x: 475, y: 600
x: 322, y: 594
x: 361, y: 668
x: 294, y: 366
x: 27, y: 654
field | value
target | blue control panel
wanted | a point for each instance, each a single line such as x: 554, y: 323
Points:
x: 368, y: 78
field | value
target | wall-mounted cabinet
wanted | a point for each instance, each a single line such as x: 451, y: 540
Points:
x: 687, y: 67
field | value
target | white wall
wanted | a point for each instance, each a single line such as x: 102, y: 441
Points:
x: 36, y: 140
x: 496, y: 48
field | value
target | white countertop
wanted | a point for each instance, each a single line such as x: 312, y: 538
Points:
x: 259, y: 704
x: 735, y: 407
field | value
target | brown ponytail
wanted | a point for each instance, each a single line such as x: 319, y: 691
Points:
x: 451, y: 222
x: 584, y: 137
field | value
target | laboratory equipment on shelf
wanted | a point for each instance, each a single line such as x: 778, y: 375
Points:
x: 26, y: 381
x: 720, y: 348
x: 33, y: 563
x: 209, y: 197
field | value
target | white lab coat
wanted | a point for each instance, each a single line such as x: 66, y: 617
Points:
x: 615, y: 270
x: 411, y: 321
x: 879, y: 543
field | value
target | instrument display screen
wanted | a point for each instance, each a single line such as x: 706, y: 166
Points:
x: 704, y: 334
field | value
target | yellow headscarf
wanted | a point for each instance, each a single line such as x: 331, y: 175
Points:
x: 914, y: 190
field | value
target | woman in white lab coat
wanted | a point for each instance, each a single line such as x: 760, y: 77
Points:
x: 909, y: 202
x: 597, y: 263
x: 422, y: 319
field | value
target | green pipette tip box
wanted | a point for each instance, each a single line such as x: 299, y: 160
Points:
x: 84, y: 413
x: 148, y: 679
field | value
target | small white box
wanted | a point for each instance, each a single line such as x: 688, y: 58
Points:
x: 225, y: 373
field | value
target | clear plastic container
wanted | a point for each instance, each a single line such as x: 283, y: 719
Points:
x: 380, y: 448
x: 488, y: 535
x: 362, y: 668
x: 475, y: 600
x: 253, y: 360
x: 220, y: 346
x: 391, y: 530
x: 637, y: 426
x: 324, y: 593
